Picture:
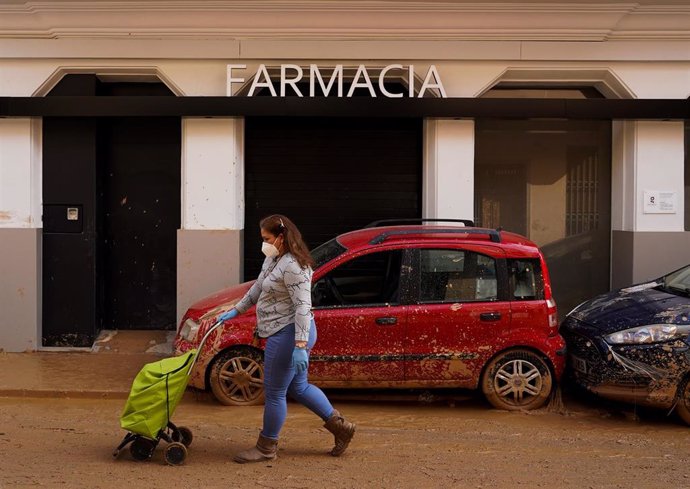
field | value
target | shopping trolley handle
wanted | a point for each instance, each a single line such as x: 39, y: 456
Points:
x: 201, y: 344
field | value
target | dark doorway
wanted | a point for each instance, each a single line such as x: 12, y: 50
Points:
x: 111, y: 194
x: 551, y: 181
x: 501, y: 196
x: 141, y: 215
x: 330, y: 175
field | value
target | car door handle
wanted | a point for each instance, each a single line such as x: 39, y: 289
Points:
x: 490, y: 316
x: 387, y: 321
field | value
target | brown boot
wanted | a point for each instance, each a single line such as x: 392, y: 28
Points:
x: 342, y: 430
x: 265, y: 449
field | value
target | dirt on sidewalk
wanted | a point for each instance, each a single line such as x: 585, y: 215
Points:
x: 68, y: 443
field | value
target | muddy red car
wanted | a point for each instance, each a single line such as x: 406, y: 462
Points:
x: 405, y: 306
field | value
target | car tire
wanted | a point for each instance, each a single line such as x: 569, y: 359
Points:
x: 517, y: 380
x: 683, y: 404
x: 237, y: 377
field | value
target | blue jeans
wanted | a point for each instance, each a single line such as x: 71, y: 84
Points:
x: 281, y: 379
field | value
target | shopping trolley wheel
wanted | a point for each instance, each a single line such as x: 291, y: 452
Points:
x: 183, y: 435
x: 142, y: 449
x: 175, y: 453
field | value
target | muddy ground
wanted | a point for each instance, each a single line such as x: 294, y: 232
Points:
x: 415, y: 441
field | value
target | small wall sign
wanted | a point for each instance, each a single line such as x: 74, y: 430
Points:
x: 659, y: 202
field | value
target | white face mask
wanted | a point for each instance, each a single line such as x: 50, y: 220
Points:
x: 269, y: 250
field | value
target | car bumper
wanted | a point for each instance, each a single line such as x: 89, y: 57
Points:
x: 556, y: 345
x: 644, y: 374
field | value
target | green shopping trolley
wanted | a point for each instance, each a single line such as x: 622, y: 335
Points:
x: 156, y: 391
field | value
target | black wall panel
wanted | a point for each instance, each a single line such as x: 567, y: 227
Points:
x: 70, y: 291
x: 141, y: 215
x: 329, y: 175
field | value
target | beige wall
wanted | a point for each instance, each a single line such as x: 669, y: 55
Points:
x: 207, y: 261
x: 641, y: 256
x: 20, y: 289
x: 546, y: 195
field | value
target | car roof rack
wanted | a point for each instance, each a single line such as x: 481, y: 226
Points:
x: 391, y: 222
x: 493, y: 234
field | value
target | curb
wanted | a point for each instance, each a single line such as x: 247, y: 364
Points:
x: 189, y: 395
x: 55, y: 394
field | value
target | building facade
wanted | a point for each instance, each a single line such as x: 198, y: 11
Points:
x: 121, y: 203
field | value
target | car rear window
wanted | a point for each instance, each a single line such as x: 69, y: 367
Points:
x: 526, y: 282
x: 456, y: 276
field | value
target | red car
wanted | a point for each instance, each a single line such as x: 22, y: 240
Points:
x: 405, y: 306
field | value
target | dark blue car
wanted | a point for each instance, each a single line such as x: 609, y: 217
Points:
x: 633, y: 344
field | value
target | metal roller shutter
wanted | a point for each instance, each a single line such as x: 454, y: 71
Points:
x: 329, y: 175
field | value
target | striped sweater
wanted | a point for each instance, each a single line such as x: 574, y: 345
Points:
x: 282, y: 294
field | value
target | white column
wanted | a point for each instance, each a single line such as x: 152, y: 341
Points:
x: 448, y: 187
x: 209, y: 245
x: 212, y: 173
x: 20, y: 248
x: 20, y: 173
x: 623, y: 176
x: 647, y: 156
x: 660, y: 164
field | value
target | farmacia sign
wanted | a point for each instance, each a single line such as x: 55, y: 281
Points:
x: 327, y: 82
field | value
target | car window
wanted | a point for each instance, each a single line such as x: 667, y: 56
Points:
x: 327, y: 252
x: 456, y: 276
x: 525, y: 280
x: 366, y: 280
x: 679, y: 279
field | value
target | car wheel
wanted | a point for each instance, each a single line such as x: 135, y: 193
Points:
x: 237, y: 377
x: 683, y: 405
x: 517, y: 379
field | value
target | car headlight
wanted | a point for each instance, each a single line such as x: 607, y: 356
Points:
x: 652, y: 333
x: 189, y: 330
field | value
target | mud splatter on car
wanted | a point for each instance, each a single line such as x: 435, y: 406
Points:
x: 633, y: 344
x: 413, y: 306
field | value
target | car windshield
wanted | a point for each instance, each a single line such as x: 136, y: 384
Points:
x: 678, y: 281
x: 326, y: 252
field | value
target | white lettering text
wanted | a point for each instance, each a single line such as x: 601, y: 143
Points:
x: 257, y: 83
x: 232, y: 80
x: 389, y: 77
x: 382, y: 81
x: 361, y: 71
x: 432, y: 73
x: 284, y: 81
x: 315, y: 74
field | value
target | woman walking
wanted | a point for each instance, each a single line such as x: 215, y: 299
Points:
x: 282, y: 294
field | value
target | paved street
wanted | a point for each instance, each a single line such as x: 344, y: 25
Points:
x: 59, y: 423
x: 421, y: 442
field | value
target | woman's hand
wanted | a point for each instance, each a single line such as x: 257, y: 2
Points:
x: 300, y: 359
x: 227, y: 315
